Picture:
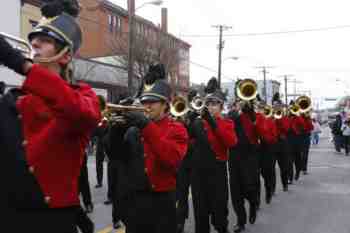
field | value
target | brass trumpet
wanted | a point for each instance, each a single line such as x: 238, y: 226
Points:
x: 113, y: 112
x: 247, y: 89
x: 197, y: 104
x: 278, y: 113
x: 179, y: 106
x: 20, y: 44
x: 125, y: 108
x: 294, y: 109
x: 268, y: 111
x: 304, y: 103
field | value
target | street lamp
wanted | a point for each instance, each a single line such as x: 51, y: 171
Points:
x: 156, y: 3
x: 131, y: 15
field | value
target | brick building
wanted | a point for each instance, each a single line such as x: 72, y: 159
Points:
x: 103, y: 23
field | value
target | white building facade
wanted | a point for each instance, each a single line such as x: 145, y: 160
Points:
x: 10, y: 23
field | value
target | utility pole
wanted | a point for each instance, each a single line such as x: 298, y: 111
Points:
x: 295, y: 82
x: 264, y: 71
x: 286, y: 86
x: 131, y: 14
x: 220, y: 47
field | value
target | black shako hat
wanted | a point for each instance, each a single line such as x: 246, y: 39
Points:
x: 213, y: 91
x: 59, y: 22
x: 155, y: 86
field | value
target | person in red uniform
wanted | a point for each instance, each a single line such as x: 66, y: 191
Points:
x: 306, y: 140
x: 282, y: 148
x: 212, y: 137
x: 44, y: 128
x: 149, y: 149
x: 243, y: 162
x: 295, y: 139
x: 267, y: 154
x: 183, y: 180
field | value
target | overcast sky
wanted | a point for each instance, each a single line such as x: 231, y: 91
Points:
x: 317, y: 59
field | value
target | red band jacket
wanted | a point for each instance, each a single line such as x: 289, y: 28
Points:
x: 271, y: 130
x: 148, y: 159
x: 258, y: 131
x: 222, y: 138
x: 297, y: 125
x: 308, y: 126
x: 283, y: 126
x: 55, y: 121
x: 165, y: 144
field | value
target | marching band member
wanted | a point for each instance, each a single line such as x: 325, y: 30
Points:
x: 294, y: 138
x: 44, y: 128
x: 183, y: 180
x: 154, y: 145
x: 267, y: 154
x: 243, y: 163
x: 282, y: 147
x: 306, y: 140
x: 212, y: 137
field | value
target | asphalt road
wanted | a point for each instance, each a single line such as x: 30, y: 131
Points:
x: 317, y: 203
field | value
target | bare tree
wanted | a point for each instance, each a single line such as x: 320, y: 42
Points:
x: 148, y: 48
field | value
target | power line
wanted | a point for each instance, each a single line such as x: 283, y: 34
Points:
x: 209, y: 69
x: 275, y: 32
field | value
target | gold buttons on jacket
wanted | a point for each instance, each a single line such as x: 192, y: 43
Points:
x: 47, y: 199
x: 24, y: 143
x: 145, y: 155
x: 31, y: 169
x: 19, y: 116
x: 146, y: 170
x: 153, y: 187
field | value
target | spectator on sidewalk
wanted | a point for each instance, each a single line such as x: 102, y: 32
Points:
x: 316, y: 132
x: 337, y: 132
x: 346, y: 135
x: 2, y: 88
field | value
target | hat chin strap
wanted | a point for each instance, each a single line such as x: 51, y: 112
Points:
x: 53, y: 58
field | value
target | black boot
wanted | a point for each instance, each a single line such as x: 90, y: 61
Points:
x: 268, y: 198
x: 117, y: 225
x: 180, y: 228
x: 89, y: 208
x: 252, y: 214
x: 238, y: 228
x: 297, y: 175
x: 285, y: 188
x: 224, y: 231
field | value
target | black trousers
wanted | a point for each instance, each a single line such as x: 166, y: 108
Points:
x: 41, y: 221
x: 295, y: 156
x: 244, y: 177
x: 347, y: 144
x: 281, y: 156
x: 113, y: 190
x: 100, y: 157
x: 84, y: 223
x: 182, y: 191
x: 84, y: 185
x: 266, y: 162
x: 306, y: 141
x: 150, y: 212
x: 209, y: 188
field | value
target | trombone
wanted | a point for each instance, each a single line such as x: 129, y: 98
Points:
x: 20, y: 44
